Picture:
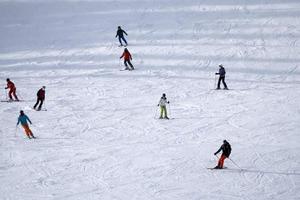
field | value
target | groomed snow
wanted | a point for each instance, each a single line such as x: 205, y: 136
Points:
x: 101, y: 139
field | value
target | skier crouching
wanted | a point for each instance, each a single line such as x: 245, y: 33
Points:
x: 226, y: 150
x: 163, y: 109
x: 23, y: 120
x: 127, y: 57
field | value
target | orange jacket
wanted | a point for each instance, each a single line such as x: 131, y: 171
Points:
x: 126, y: 55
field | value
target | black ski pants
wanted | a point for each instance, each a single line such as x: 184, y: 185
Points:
x: 126, y: 62
x: 222, y: 78
x: 41, y: 101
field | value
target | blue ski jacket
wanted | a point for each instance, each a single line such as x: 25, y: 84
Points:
x: 23, y: 120
x: 120, y: 33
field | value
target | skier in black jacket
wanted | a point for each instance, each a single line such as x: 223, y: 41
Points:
x: 226, y: 150
x: 221, y: 74
x: 40, y: 98
x: 121, y: 36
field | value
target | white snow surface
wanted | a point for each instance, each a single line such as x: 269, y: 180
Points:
x: 101, y: 139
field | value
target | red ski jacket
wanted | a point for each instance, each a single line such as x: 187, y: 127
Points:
x: 126, y: 55
x: 10, y: 85
x: 41, y: 94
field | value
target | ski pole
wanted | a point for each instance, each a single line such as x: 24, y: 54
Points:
x: 45, y: 108
x: 215, y: 82
x: 155, y: 113
x: 16, y: 131
x: 217, y: 157
x: 119, y: 63
x: 6, y: 98
x: 234, y: 163
x: 20, y: 96
x: 169, y: 110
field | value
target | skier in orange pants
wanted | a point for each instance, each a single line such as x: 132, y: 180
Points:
x: 23, y: 120
x: 226, y: 150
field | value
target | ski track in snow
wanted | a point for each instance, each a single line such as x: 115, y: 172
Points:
x: 101, y: 138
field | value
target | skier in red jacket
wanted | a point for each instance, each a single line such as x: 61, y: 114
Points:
x: 12, y: 90
x: 40, y: 98
x: 127, y: 57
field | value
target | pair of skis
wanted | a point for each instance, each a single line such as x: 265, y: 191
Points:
x: 213, y: 168
x: 11, y: 101
x: 126, y: 69
x: 44, y: 109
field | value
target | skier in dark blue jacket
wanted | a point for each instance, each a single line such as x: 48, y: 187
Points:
x: 221, y: 74
x: 120, y: 34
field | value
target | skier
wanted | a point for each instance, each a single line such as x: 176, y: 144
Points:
x: 121, y: 36
x: 226, y: 150
x: 221, y: 74
x: 23, y: 120
x: 163, y: 109
x: 12, y: 90
x: 40, y: 98
x: 127, y: 57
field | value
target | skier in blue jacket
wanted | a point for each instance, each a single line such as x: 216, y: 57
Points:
x: 120, y: 34
x: 23, y: 120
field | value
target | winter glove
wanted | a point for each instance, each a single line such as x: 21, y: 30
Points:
x: 215, y: 154
x: 168, y: 102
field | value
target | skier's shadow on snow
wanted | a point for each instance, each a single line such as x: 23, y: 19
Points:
x: 265, y: 172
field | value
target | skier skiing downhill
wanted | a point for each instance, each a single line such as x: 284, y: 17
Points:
x: 40, y: 98
x: 221, y: 74
x: 120, y: 34
x: 163, y: 109
x: 23, y: 120
x: 12, y: 90
x: 226, y: 150
x: 127, y: 57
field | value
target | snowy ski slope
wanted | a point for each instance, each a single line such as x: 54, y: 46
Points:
x: 101, y: 139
